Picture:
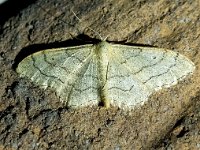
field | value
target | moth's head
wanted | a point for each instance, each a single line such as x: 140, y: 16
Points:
x: 102, y: 44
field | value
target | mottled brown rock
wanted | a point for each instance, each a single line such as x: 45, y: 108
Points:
x: 31, y: 118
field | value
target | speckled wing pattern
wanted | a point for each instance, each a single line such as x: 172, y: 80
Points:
x: 119, y: 75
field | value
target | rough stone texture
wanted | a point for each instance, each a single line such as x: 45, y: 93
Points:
x: 31, y: 118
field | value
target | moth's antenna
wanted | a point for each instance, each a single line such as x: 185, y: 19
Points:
x: 89, y: 27
x: 62, y: 21
x: 67, y: 23
x: 105, y: 38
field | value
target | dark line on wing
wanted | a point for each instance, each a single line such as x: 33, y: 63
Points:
x: 140, y: 50
x: 72, y: 56
x: 82, y: 90
x: 171, y: 66
x: 53, y: 64
x: 122, y: 89
x: 34, y: 61
x: 154, y: 64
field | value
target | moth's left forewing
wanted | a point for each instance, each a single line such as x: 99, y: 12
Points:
x: 136, y: 72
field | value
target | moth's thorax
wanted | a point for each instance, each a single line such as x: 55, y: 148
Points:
x: 102, y: 51
x: 103, y: 46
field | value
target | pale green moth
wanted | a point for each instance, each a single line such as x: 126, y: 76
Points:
x: 119, y: 75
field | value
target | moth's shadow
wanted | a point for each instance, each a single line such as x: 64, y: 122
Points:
x: 79, y: 40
